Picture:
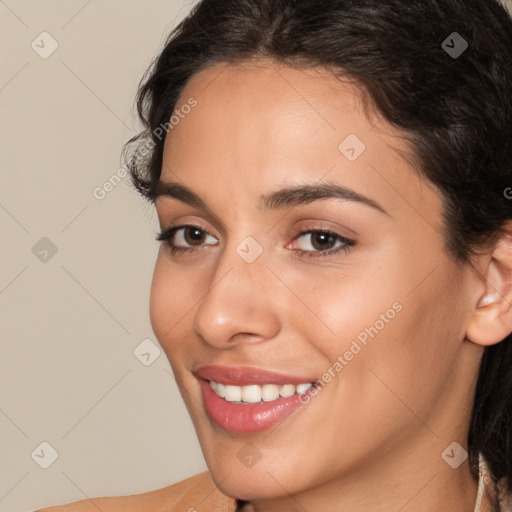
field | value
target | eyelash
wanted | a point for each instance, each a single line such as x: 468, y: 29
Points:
x: 167, y: 235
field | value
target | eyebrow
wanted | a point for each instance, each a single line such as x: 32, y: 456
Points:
x: 287, y: 197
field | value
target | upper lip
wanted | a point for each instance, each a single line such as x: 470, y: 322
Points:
x: 245, y: 375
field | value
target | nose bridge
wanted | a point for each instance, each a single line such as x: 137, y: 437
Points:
x: 237, y: 300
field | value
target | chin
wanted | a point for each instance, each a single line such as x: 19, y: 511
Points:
x: 264, y: 480
x: 251, y: 487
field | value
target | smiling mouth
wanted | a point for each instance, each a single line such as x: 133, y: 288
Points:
x: 247, y: 400
x: 255, y: 393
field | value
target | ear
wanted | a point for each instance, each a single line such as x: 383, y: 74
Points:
x: 491, y: 319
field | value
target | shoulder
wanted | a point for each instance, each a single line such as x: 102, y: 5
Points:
x: 195, y: 494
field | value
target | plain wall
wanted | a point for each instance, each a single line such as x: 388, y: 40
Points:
x: 69, y: 325
x: 70, y: 320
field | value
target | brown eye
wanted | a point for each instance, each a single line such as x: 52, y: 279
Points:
x: 194, y: 235
x: 315, y: 243
x: 186, y: 238
x: 323, y: 241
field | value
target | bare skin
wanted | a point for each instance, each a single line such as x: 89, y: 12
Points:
x: 372, y: 439
x: 195, y: 493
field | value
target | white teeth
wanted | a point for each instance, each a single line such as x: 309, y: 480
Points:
x: 270, y: 392
x: 253, y: 393
x: 233, y: 393
x: 303, y: 387
x: 221, y: 389
x: 287, y: 390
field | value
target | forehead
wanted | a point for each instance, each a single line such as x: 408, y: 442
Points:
x: 259, y: 123
x: 278, y: 95
x: 277, y: 81
x: 262, y: 103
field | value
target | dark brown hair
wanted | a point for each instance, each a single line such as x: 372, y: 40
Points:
x: 456, y: 110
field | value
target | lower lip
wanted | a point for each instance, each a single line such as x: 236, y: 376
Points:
x: 243, y: 418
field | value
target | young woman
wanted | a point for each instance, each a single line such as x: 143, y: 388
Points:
x: 333, y: 181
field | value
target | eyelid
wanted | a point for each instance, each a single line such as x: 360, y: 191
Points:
x: 314, y: 227
x: 167, y: 233
x: 346, y: 243
x: 197, y: 216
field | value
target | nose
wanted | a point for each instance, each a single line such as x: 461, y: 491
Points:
x: 239, y: 306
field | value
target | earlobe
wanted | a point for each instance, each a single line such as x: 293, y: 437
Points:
x: 491, y: 319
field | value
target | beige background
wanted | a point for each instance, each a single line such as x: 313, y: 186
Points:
x: 68, y: 327
x: 70, y: 324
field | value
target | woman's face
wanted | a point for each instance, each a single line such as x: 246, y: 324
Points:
x: 374, y: 309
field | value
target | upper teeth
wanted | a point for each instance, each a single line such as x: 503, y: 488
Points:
x: 254, y: 393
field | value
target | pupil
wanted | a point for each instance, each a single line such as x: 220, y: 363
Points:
x: 197, y: 234
x: 322, y: 238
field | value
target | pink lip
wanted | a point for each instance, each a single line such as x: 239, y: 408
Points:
x: 246, y: 418
x: 243, y: 376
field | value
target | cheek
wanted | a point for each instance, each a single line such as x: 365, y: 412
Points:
x: 169, y: 303
x: 340, y: 306
x: 160, y: 303
x: 408, y: 363
x: 383, y: 324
